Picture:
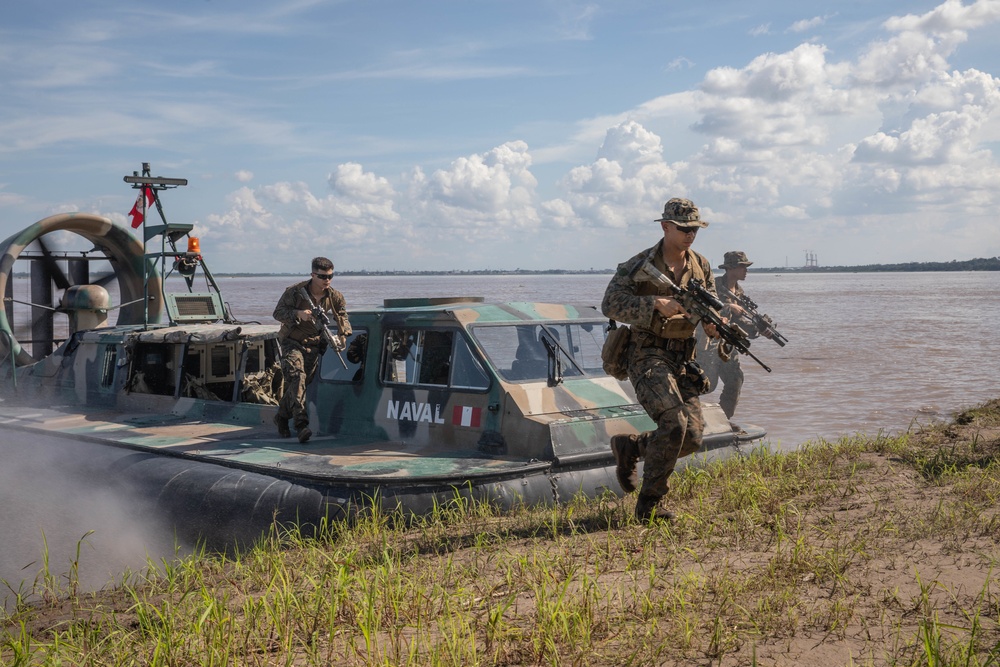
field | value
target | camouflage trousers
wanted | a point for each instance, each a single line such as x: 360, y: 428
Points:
x: 298, y: 367
x: 729, y: 372
x: 670, y: 398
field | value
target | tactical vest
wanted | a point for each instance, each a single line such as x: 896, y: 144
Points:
x: 677, y: 326
x: 306, y: 334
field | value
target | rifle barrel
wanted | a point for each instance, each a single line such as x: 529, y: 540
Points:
x: 762, y: 364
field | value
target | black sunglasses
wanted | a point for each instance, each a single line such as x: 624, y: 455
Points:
x: 687, y: 230
x: 324, y: 276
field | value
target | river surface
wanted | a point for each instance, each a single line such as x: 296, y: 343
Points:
x: 866, y: 353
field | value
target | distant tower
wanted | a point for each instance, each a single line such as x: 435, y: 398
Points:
x: 811, y: 261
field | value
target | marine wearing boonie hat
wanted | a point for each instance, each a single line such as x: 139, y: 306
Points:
x: 733, y: 259
x: 683, y: 213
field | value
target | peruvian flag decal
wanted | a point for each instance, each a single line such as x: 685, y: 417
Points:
x: 463, y: 415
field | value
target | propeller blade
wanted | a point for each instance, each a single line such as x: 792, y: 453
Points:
x: 52, y: 268
x: 105, y: 279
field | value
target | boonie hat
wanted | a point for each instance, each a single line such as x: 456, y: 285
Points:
x: 735, y: 258
x: 682, y: 212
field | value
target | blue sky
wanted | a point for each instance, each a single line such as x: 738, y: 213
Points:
x: 507, y: 134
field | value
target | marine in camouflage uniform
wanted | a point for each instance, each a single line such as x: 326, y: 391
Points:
x: 661, y: 354
x: 302, y: 343
x: 726, y: 367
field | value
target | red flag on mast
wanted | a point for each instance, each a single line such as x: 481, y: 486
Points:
x: 136, y: 212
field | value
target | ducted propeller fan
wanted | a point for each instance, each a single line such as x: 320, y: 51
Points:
x: 70, y: 264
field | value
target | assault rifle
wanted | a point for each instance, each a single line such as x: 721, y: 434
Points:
x: 323, y: 320
x: 700, y: 305
x: 764, y: 324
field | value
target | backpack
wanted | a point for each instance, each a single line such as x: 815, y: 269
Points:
x: 614, y: 354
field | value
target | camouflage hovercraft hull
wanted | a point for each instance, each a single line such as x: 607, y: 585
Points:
x: 506, y: 403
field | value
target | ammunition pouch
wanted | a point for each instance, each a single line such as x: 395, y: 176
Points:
x: 312, y: 342
x: 614, y: 354
x: 678, y: 326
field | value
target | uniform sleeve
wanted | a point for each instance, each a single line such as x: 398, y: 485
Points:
x: 621, y: 302
x: 339, y: 308
x: 725, y: 295
x: 709, y: 276
x: 284, y: 312
x: 747, y: 324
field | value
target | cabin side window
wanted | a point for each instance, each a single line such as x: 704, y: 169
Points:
x: 209, y: 371
x: 515, y: 350
x: 353, y: 356
x: 522, y: 352
x: 431, y: 357
x: 152, y: 369
x: 466, y: 370
x: 261, y: 372
x: 584, y: 342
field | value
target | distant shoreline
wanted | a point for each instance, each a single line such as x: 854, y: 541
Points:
x: 985, y: 264
x: 980, y: 264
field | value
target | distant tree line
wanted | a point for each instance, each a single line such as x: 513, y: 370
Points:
x: 978, y: 264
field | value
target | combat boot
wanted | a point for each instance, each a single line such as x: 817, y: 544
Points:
x: 647, y: 508
x: 282, y: 425
x: 304, y: 434
x: 626, y: 454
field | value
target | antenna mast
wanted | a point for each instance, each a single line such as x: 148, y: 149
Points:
x: 153, y: 185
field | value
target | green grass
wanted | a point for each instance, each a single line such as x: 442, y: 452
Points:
x: 849, y: 545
